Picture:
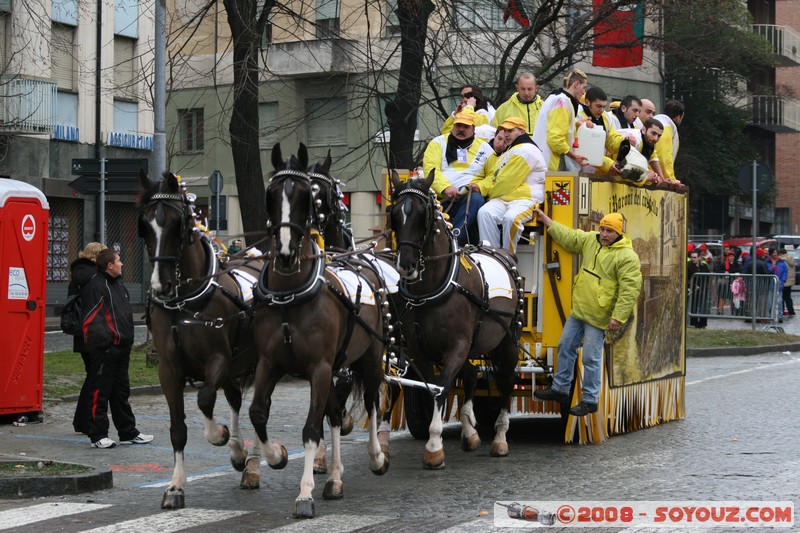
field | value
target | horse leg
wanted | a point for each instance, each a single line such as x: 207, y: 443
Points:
x: 334, y: 489
x: 433, y: 456
x: 385, y: 427
x: 238, y: 452
x: 470, y: 440
x: 320, y: 464
x: 373, y: 376
x: 172, y: 383
x: 506, y: 356
x: 265, y: 382
x: 214, y: 432
x: 312, y: 430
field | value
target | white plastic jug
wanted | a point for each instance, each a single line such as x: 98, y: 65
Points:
x: 591, y: 144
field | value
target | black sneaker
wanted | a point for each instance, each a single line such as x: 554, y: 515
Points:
x: 550, y: 394
x: 583, y: 409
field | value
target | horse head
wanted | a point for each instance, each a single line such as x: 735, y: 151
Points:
x: 166, y: 223
x: 290, y: 208
x: 411, y: 218
x: 330, y: 213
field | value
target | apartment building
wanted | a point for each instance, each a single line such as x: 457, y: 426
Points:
x: 51, y: 53
x: 327, y: 70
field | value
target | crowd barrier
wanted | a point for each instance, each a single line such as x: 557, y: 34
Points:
x: 713, y: 295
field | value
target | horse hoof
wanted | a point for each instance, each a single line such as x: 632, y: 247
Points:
x: 334, y: 490
x: 471, y: 443
x: 303, y: 508
x: 251, y: 477
x: 320, y: 465
x: 238, y: 463
x: 347, y: 426
x: 283, y: 461
x: 226, y: 436
x: 433, y: 460
x: 382, y: 470
x: 173, y: 499
x: 499, y: 449
x: 383, y: 440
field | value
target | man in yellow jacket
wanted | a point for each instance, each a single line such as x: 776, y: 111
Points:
x: 667, y: 146
x: 524, y: 103
x: 603, y: 297
x: 458, y: 159
x: 515, y: 187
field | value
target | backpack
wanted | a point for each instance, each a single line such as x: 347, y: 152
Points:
x: 72, y: 315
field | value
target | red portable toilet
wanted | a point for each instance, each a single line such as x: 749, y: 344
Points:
x: 24, y: 218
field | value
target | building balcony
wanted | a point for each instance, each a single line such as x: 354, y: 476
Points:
x: 775, y: 113
x: 311, y: 58
x: 784, y: 40
x: 28, y: 106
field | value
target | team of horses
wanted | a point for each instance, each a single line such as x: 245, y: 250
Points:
x: 332, y: 316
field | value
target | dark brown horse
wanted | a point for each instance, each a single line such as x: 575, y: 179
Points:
x: 310, y: 324
x: 200, y: 326
x: 459, y: 305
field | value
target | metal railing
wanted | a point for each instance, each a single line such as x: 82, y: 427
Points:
x: 784, y: 40
x: 775, y: 113
x: 27, y: 106
x: 713, y: 295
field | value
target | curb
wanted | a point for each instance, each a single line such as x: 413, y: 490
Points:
x: 40, y: 486
x: 742, y: 350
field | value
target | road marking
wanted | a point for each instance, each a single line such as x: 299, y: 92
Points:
x: 44, y: 511
x: 477, y: 526
x: 744, y: 371
x: 216, y: 472
x: 335, y: 523
x: 169, y: 521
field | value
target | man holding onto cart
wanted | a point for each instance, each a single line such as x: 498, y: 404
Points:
x: 603, y: 296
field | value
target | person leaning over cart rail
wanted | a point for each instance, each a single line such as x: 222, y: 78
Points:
x: 603, y: 296
x: 108, y: 335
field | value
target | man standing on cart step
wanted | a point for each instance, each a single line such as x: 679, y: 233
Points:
x: 603, y: 296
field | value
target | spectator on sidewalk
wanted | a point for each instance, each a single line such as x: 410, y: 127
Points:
x: 81, y: 271
x: 108, y: 335
x: 790, y: 279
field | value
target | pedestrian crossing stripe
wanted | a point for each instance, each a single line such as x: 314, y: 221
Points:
x: 169, y: 521
x: 335, y: 523
x: 24, y: 516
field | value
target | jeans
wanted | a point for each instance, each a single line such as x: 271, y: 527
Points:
x: 574, y: 332
x: 459, y: 217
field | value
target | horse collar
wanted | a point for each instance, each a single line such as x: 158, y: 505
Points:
x: 295, y: 296
x: 447, y: 285
x: 202, y: 293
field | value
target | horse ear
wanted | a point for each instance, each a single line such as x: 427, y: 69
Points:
x: 172, y: 182
x: 144, y: 180
x: 326, y: 165
x: 277, y: 158
x: 302, y: 156
x: 396, y: 183
x: 429, y: 180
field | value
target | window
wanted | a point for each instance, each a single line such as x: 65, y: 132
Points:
x: 3, y: 19
x: 191, y: 129
x: 124, y: 71
x: 268, y: 124
x: 392, y: 22
x: 478, y: 15
x: 64, y: 11
x: 327, y: 18
x: 62, y: 56
x: 126, y: 18
x: 126, y: 117
x: 326, y: 121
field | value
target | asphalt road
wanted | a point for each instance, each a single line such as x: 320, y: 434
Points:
x: 738, y: 442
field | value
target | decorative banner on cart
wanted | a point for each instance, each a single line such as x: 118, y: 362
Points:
x: 679, y: 514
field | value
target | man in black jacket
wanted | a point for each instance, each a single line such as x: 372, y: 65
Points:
x: 108, y: 336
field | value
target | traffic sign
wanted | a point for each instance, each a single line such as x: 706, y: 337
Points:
x: 763, y: 177
x: 114, y: 185
x: 120, y: 166
x: 215, y: 182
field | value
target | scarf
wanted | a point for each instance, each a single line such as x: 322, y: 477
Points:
x: 453, y: 144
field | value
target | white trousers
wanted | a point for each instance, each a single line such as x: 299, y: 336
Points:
x: 511, y: 215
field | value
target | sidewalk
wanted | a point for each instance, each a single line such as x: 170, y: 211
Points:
x: 790, y: 325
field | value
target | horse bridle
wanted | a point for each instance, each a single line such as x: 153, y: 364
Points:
x: 331, y: 200
x: 429, y: 217
x: 278, y: 178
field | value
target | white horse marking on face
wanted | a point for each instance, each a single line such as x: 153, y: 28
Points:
x: 285, y: 232
x: 155, y: 280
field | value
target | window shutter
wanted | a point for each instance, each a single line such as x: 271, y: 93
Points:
x: 327, y: 122
x: 268, y: 124
x: 124, y: 81
x: 62, y: 57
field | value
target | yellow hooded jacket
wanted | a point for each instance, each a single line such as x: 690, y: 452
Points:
x: 610, y: 278
x: 457, y: 174
x: 667, y: 146
x: 514, y: 108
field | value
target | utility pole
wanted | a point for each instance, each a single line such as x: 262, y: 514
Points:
x: 159, y: 93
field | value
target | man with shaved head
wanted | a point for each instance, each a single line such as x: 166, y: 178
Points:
x: 524, y: 103
x: 647, y: 111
